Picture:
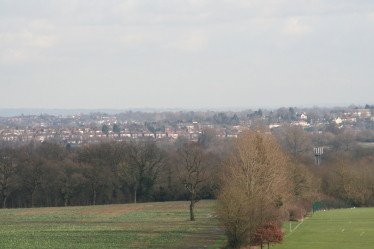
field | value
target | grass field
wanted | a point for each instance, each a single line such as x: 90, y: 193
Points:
x: 166, y: 225
x: 367, y: 145
x: 325, y: 230
x: 147, y: 225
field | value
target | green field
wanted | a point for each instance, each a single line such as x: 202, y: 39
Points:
x: 166, y: 225
x: 367, y: 145
x: 325, y: 230
x: 147, y: 225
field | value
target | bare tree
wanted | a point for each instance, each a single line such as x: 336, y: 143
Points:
x: 345, y: 141
x: 52, y: 151
x: 69, y: 178
x: 305, y: 183
x: 8, y: 168
x: 257, y: 188
x: 128, y: 175
x: 32, y: 170
x: 207, y: 137
x: 322, y: 139
x: 345, y: 181
x: 313, y: 116
x: 294, y: 139
x: 144, y: 163
x: 194, y: 168
x: 98, y: 175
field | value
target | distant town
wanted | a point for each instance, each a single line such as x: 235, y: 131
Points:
x: 98, y: 127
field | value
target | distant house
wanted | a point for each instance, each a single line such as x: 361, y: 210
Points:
x: 112, y: 135
x: 302, y: 116
x: 160, y: 134
x: 184, y: 134
x: 65, y: 131
x: 274, y: 125
x: 204, y: 126
x: 361, y: 113
x: 40, y: 138
x: 220, y: 135
x: 239, y: 128
x: 171, y: 134
x: 125, y: 134
x: 136, y: 134
x: 349, y: 119
x: 148, y: 134
x: 64, y: 136
x: 190, y: 127
x: 337, y: 120
x: 232, y: 135
x: 194, y: 136
x: 300, y: 122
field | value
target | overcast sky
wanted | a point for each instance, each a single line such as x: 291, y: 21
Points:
x: 188, y: 54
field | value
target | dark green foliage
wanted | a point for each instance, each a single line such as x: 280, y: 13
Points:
x: 256, y: 114
x: 105, y: 129
x: 292, y: 111
x: 116, y: 128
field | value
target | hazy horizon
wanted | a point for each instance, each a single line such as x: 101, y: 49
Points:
x: 9, y: 112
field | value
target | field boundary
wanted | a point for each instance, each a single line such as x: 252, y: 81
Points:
x: 291, y: 231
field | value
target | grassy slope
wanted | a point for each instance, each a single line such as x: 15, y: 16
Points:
x: 147, y: 225
x: 324, y: 230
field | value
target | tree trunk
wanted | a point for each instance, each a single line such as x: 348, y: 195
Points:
x: 33, y: 199
x: 4, y: 201
x: 5, y: 196
x: 66, y: 199
x: 192, y: 206
x: 94, y: 197
x: 261, y: 244
x: 135, y: 196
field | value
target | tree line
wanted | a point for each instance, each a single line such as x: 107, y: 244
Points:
x: 49, y: 175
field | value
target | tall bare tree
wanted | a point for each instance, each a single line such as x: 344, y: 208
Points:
x: 194, y: 168
x: 144, y: 163
x: 256, y: 187
x: 69, y: 178
x: 98, y: 175
x: 32, y: 170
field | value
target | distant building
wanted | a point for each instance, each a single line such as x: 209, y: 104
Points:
x: 302, y: 116
x: 160, y: 134
x: 274, y: 125
x: 300, y: 122
x: 337, y: 120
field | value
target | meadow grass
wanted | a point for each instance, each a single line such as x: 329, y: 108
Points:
x: 325, y: 230
x: 146, y: 225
